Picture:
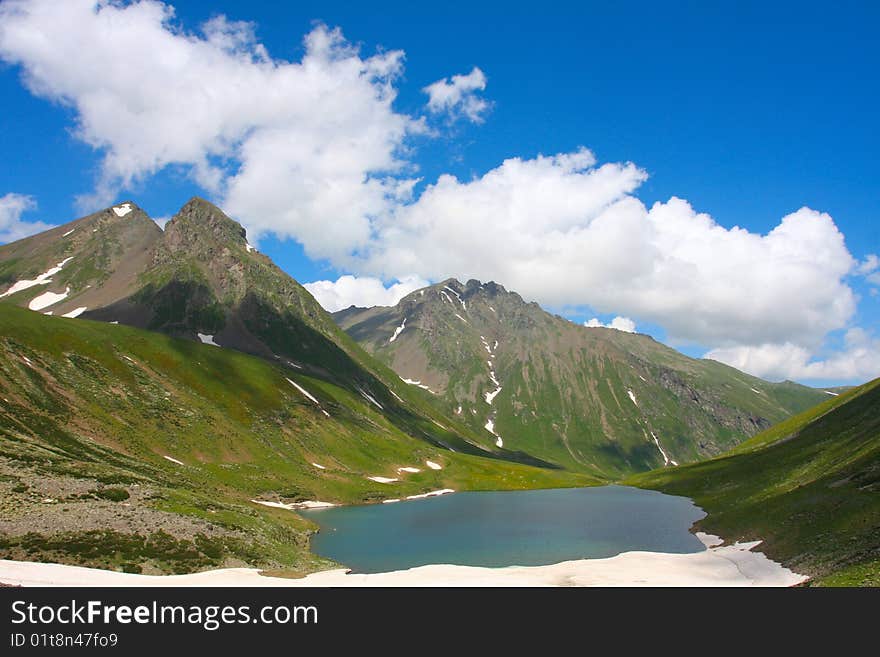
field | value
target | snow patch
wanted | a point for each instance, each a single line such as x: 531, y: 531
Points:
x: 709, y: 540
x: 666, y: 459
x: 433, y: 466
x: 396, y: 499
x: 490, y: 396
x: 383, y: 480
x: 413, y: 382
x: 122, y: 210
x: 397, y: 331
x: 370, y: 398
x: 408, y: 469
x: 76, y: 312
x: 68, y: 232
x: 207, y: 339
x: 309, y: 504
x: 42, y: 279
x: 632, y: 396
x: 319, y: 466
x: 457, y: 296
x: 461, y: 318
x: 306, y: 393
x: 490, y: 427
x: 249, y: 247
x: 756, y: 391
x: 433, y: 493
x: 173, y: 460
x: 47, y: 299
x: 828, y: 392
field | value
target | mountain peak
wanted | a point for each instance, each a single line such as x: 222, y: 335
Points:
x: 126, y: 210
x: 473, y: 286
x: 197, y: 202
x: 200, y: 219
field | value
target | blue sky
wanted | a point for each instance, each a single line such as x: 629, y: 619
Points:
x: 748, y: 113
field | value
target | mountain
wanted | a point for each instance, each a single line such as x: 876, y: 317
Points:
x: 200, y: 280
x: 809, y: 488
x: 198, y: 383
x: 128, y: 449
x: 594, y: 400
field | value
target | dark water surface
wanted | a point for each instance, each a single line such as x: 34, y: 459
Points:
x: 524, y: 528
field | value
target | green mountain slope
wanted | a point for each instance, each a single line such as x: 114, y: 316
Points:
x: 808, y: 487
x: 589, y: 399
x: 199, y: 279
x: 127, y: 448
x: 91, y: 261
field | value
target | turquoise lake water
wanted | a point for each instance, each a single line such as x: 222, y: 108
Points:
x: 524, y: 528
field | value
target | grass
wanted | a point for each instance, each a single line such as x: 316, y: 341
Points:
x: 95, y: 401
x: 564, y: 396
x: 808, y: 487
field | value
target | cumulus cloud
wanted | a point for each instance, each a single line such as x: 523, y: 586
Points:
x: 362, y: 291
x: 624, y: 324
x: 564, y: 231
x: 162, y: 221
x: 314, y: 150
x: 458, y: 96
x: 870, y: 264
x: 12, y: 228
x: 304, y: 149
x: 858, y: 360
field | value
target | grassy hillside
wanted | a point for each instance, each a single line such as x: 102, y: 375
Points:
x: 594, y: 400
x: 809, y: 487
x: 130, y: 449
x: 200, y: 277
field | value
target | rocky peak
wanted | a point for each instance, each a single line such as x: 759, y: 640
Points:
x: 126, y: 213
x: 201, y: 223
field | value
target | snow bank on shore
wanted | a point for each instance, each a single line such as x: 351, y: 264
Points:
x: 721, y: 565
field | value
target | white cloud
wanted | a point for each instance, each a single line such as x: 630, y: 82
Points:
x: 314, y: 150
x: 162, y: 221
x: 457, y: 96
x: 859, y: 360
x: 870, y: 264
x: 12, y: 228
x: 304, y: 149
x: 362, y: 291
x: 624, y: 324
x: 565, y: 232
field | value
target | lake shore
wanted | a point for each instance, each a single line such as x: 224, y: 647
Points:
x: 719, y: 565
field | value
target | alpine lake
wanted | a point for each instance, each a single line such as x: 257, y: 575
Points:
x: 509, y: 528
